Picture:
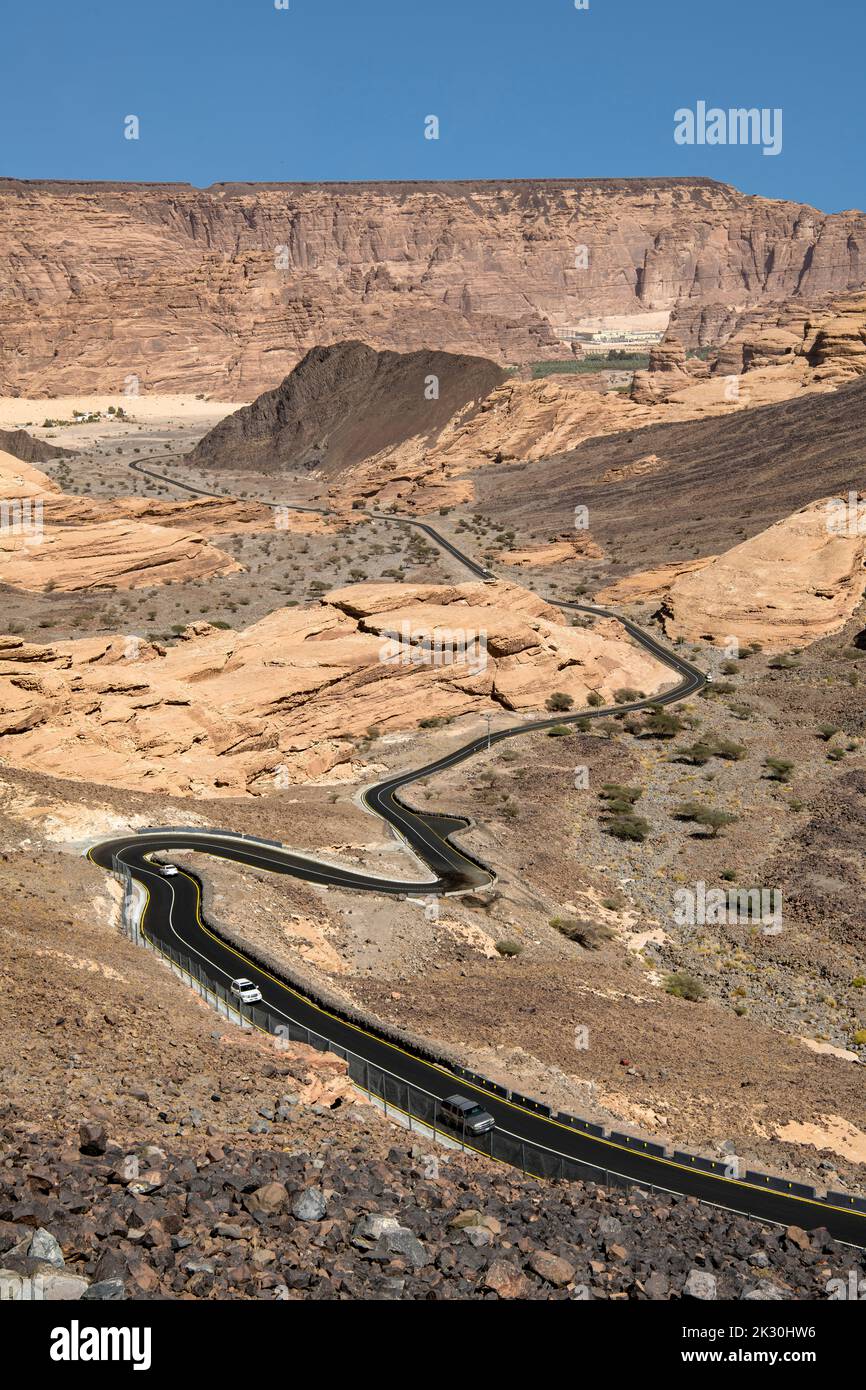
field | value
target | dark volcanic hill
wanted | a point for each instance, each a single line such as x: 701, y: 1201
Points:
x: 713, y: 482
x: 343, y: 403
x: 25, y: 447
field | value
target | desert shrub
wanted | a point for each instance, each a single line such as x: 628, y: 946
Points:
x: 559, y: 731
x: 827, y: 731
x: 684, y: 986
x: 700, y: 753
x: 719, y: 688
x: 614, y: 791
x: 559, y: 702
x: 741, y: 712
x: 731, y: 752
x: 696, y: 755
x: 624, y: 827
x: 594, y: 700
x: 509, y: 949
x: 661, y: 724
x: 709, y: 817
x: 778, y: 769
x: 590, y: 935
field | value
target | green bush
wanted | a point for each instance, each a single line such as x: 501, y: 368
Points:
x: 509, y: 949
x: 614, y: 791
x: 559, y: 702
x: 827, y: 731
x: 627, y: 828
x: 778, y: 769
x: 684, y: 986
x: 710, y: 817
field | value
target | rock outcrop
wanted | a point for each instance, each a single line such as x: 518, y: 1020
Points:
x: 106, y: 555
x: 792, y: 584
x: 519, y: 421
x: 28, y: 448
x: 838, y: 347
x: 20, y: 480
x: 50, y: 539
x: 667, y: 372
x: 225, y: 712
x: 343, y: 404
x: 823, y: 343
x: 225, y: 289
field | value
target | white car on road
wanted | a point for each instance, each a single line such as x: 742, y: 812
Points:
x: 167, y: 870
x: 246, y: 991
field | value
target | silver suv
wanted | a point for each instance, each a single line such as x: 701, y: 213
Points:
x: 466, y: 1115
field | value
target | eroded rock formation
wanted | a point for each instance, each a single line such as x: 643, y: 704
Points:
x: 224, y: 289
x: 226, y: 713
x: 790, y: 585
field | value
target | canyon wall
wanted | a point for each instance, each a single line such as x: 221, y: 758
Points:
x: 166, y: 287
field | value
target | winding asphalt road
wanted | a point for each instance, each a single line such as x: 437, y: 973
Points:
x: 526, y: 1134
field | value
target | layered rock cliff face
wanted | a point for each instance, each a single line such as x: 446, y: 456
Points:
x: 828, y: 340
x: 225, y: 289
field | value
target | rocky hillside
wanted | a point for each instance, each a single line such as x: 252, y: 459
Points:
x: 224, y: 289
x: 327, y: 1220
x: 800, y: 580
x: 715, y: 481
x: 343, y: 403
x: 28, y: 448
x: 148, y: 1147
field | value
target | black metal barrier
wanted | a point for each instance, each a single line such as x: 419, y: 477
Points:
x: 797, y: 1189
x: 415, y: 1104
x: 844, y: 1199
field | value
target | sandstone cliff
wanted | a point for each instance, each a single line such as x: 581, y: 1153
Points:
x: 792, y: 584
x: 224, y: 289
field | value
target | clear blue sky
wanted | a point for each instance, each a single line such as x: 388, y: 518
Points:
x: 339, y: 89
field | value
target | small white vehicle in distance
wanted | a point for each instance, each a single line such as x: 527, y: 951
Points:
x: 167, y: 870
x: 245, y: 991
